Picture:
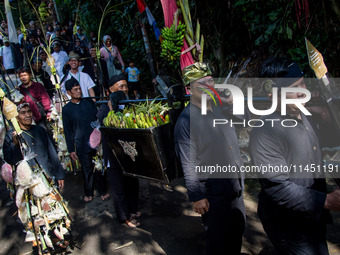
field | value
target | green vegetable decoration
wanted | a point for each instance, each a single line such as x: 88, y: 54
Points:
x: 98, y: 52
x: 193, y: 39
x: 75, y: 29
x: 23, y: 29
x: 43, y: 11
x: 172, y: 41
x: 143, y: 115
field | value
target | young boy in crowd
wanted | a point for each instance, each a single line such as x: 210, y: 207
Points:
x: 133, y: 79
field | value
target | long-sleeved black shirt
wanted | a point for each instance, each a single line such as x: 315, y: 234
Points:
x: 46, y: 81
x: 77, y: 120
x: 199, y: 144
x: 107, y: 152
x: 41, y: 145
x: 292, y: 199
x: 97, y: 73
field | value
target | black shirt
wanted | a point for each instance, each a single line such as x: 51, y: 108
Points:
x: 107, y: 152
x: 98, y: 74
x: 46, y: 80
x: 198, y: 143
x: 41, y: 145
x: 77, y: 120
x: 291, y: 199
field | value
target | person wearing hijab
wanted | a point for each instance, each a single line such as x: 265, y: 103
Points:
x: 112, y: 56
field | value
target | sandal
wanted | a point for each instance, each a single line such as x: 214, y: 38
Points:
x: 105, y: 197
x: 132, y: 223
x: 136, y: 215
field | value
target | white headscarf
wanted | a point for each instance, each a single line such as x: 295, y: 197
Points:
x: 105, y: 37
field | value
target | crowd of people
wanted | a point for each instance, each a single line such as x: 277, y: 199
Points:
x: 83, y: 79
x: 62, y: 43
x: 77, y: 116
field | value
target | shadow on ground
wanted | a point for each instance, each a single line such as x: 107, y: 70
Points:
x: 168, y: 225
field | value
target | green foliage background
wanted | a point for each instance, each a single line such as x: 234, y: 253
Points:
x: 259, y: 28
x: 234, y: 30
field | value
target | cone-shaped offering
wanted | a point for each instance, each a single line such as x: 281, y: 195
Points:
x: 41, y: 208
x: 10, y: 111
x: 315, y: 60
x: 2, y: 94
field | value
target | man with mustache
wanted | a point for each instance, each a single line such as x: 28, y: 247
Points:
x: 40, y: 144
x: 293, y: 205
x: 218, y: 198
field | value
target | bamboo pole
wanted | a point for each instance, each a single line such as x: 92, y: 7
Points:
x: 148, y: 53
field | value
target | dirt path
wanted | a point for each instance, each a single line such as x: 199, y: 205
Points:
x: 168, y: 225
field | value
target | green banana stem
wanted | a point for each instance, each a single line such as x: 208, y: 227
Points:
x: 23, y: 29
x: 197, y: 34
x: 41, y: 237
x: 202, y: 46
x: 175, y: 19
x: 187, y: 9
x: 38, y: 16
x: 187, y: 21
x: 189, y: 40
x: 197, y: 37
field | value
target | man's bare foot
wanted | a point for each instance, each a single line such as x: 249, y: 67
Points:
x: 105, y: 197
x: 88, y: 199
x: 132, y: 223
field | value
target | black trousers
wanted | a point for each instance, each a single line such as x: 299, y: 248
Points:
x: 125, y: 192
x: 288, y: 240
x: 225, y: 224
x: 91, y: 176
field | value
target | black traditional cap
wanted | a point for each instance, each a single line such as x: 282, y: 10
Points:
x: 279, y: 72
x: 56, y: 43
x: 116, y: 78
x: 293, y: 74
x: 69, y: 84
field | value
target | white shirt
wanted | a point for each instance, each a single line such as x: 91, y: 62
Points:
x: 46, y: 68
x: 7, y: 57
x: 60, y: 60
x: 20, y: 37
x: 84, y: 80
